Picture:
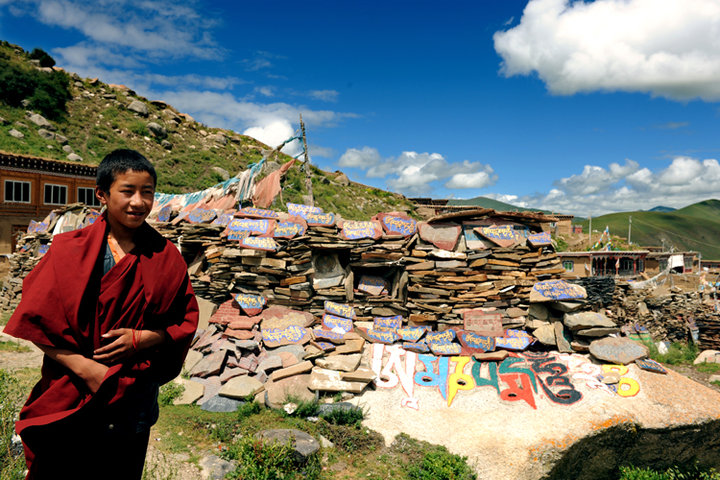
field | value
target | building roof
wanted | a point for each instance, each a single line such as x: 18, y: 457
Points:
x: 618, y: 253
x: 13, y: 161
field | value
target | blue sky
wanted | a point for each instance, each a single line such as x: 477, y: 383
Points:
x: 576, y: 107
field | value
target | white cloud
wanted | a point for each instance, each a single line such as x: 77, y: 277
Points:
x: 599, y: 190
x: 412, y: 173
x: 320, y: 151
x: 275, y: 133
x: 669, y: 48
x: 159, y: 28
x: 325, y: 95
x: 360, y: 158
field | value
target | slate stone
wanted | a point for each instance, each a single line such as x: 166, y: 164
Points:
x: 545, y: 335
x: 561, y: 340
x: 212, y: 387
x: 554, y: 290
x: 297, y: 369
x: 597, y: 331
x: 303, y: 443
x: 297, y: 350
x: 539, y: 311
x: 231, y: 372
x: 567, y: 307
x: 331, y: 381
x: 280, y: 317
x: 620, y: 350
x: 192, y: 391
x: 442, y: 235
x: 270, y: 363
x: 585, y: 320
x: 249, y: 345
x: 496, y: 356
x: 343, y: 363
x: 210, y: 364
x: 362, y: 374
x: 221, y: 404
x: 193, y: 358
x: 241, y: 387
x: 277, y: 392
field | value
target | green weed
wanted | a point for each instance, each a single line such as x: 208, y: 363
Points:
x: 672, y: 473
x: 258, y: 460
x: 12, y: 460
x: 679, y: 353
x: 708, y: 367
x: 344, y: 416
x: 13, y: 347
x: 169, y: 392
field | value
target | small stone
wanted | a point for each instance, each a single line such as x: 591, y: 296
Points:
x: 157, y: 130
x: 46, y: 134
x: 61, y: 139
x: 584, y: 320
x: 67, y: 149
x: 166, y: 145
x: 16, y: 133
x: 193, y: 358
x: 215, y: 468
x: 303, y: 444
x: 297, y: 369
x: 270, y: 363
x: 496, y: 356
x: 325, y: 443
x: 41, y: 121
x: 610, y: 378
x: 221, y: 404
x: 545, y: 334
x: 74, y: 157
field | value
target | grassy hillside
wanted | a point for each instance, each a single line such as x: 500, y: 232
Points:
x: 95, y: 119
x: 695, y: 227
x: 485, y: 202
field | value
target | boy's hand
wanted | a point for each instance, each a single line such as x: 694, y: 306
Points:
x: 120, y: 348
x: 93, y: 375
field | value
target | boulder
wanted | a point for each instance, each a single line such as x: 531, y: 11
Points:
x: 67, y: 149
x: 620, y: 350
x: 157, y: 130
x: 41, y: 121
x: 303, y: 443
x: 138, y: 107
x: 277, y: 392
x: 708, y: 356
x: 16, y: 133
x: 74, y: 157
x: 46, y: 134
x: 221, y: 404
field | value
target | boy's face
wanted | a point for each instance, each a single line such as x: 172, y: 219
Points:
x: 129, y: 200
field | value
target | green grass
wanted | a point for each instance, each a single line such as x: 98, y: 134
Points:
x: 708, y: 367
x: 14, y: 388
x: 679, y: 353
x: 9, y: 346
x: 672, y: 473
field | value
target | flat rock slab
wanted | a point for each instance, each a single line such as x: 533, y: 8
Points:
x: 552, y: 290
x: 442, y: 235
x: 277, y: 392
x: 192, y: 391
x: 241, y: 387
x: 303, y: 443
x: 523, y: 433
x: 221, y: 404
x: 584, y: 320
x: 618, y: 350
x: 343, y: 363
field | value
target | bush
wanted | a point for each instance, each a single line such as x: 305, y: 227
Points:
x: 259, y: 460
x: 439, y: 464
x: 678, y: 353
x: 344, y: 416
x: 47, y: 92
x: 12, y: 460
x: 45, y: 59
x: 672, y: 473
x: 169, y: 392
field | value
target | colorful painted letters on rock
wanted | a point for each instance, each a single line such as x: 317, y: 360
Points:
x: 521, y: 378
x: 252, y: 212
x: 551, y: 290
x: 476, y: 342
x: 292, y: 334
x: 320, y: 219
x: 484, y: 323
x: 539, y: 239
x: 250, y: 225
x: 259, y: 243
x: 440, y: 337
x: 411, y: 334
x: 502, y: 235
x: 339, y: 309
x: 302, y: 210
x: 387, y: 323
x: 337, y: 324
x: 445, y: 348
x: 356, y: 230
x: 397, y: 225
x: 373, y: 285
x: 328, y: 335
x: 288, y: 230
x: 380, y: 336
x: 200, y: 215
x: 164, y: 214
x: 250, y: 304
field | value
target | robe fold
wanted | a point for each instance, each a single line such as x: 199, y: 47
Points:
x: 67, y: 303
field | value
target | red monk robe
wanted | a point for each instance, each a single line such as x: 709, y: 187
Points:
x: 68, y: 304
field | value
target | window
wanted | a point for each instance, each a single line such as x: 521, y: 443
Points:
x: 55, y: 194
x: 87, y: 196
x: 568, y: 265
x: 16, y: 191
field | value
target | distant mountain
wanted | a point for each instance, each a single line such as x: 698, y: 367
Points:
x: 660, y: 208
x: 484, y: 202
x: 695, y: 227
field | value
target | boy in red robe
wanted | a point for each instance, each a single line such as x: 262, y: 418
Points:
x: 112, y: 308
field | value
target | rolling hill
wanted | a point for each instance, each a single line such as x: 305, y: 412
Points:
x: 695, y: 227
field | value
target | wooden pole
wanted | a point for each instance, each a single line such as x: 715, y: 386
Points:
x: 306, y: 165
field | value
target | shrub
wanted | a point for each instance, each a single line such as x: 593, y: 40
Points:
x: 672, y: 473
x: 247, y: 409
x: 678, y: 353
x: 47, y: 92
x: 344, y: 416
x: 439, y: 464
x: 169, y: 392
x: 45, y: 59
x: 259, y: 460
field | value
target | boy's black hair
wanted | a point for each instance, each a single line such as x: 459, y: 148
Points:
x: 120, y: 161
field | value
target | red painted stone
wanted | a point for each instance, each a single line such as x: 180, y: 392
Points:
x: 442, y: 235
